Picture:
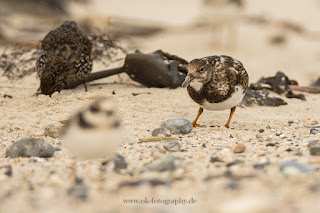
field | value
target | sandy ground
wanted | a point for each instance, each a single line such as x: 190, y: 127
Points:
x: 41, y: 185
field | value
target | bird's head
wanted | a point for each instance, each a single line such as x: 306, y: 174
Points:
x: 198, y: 71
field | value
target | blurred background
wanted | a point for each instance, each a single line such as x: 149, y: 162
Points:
x: 267, y: 36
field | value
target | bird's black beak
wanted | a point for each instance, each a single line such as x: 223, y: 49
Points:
x: 187, y: 80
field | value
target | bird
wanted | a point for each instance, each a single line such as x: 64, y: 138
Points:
x: 94, y: 132
x: 222, y: 20
x: 66, y: 56
x: 216, y: 83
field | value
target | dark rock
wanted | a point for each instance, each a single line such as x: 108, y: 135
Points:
x: 119, y: 162
x: 270, y: 144
x: 234, y: 163
x: 203, y: 145
x: 79, y: 191
x: 215, y: 159
x: 294, y: 167
x: 278, y: 133
x: 178, y: 126
x: 261, y: 98
x: 261, y: 130
x: 28, y: 147
x: 161, y: 131
x: 8, y: 170
x: 315, y: 150
x: 173, y: 146
x: 314, y: 131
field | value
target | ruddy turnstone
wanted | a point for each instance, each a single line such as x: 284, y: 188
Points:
x: 65, y: 57
x: 216, y: 83
x: 94, y: 132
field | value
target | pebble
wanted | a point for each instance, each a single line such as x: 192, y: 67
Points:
x: 165, y: 163
x: 173, y: 146
x: 314, y: 131
x: 79, y: 191
x: 313, y: 143
x: 53, y: 130
x: 28, y: 147
x: 293, y: 167
x: 261, y: 164
x: 161, y: 131
x: 271, y: 144
x: 119, y: 162
x: 239, y: 148
x: 278, y: 133
x: 315, y: 150
x: 261, y: 130
x: 178, y: 126
x: 216, y: 159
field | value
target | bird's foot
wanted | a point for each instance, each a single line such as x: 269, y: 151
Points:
x: 196, y: 125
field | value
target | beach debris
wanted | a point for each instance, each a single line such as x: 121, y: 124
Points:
x: 173, y: 146
x: 53, y: 130
x: 293, y: 167
x: 178, y: 126
x: 274, y: 84
x: 157, y: 69
x: 28, y: 147
x: 261, y: 98
x: 161, y: 131
x: 239, y: 148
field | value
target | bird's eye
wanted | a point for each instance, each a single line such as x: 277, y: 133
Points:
x: 201, y: 69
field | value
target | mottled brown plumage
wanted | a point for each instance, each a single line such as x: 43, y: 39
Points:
x: 216, y: 83
x: 65, y: 57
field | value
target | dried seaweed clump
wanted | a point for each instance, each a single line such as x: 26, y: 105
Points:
x: 18, y: 62
x: 105, y: 50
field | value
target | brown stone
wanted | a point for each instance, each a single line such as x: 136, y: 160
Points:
x: 239, y: 148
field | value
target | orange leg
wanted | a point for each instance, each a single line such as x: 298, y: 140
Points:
x: 194, y: 123
x: 85, y: 85
x: 231, y: 113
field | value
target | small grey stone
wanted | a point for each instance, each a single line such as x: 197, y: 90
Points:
x: 294, y: 167
x: 315, y: 150
x: 290, y: 122
x: 173, y: 146
x: 215, y: 159
x: 178, y: 126
x: 314, y: 131
x: 278, y: 133
x: 313, y: 143
x: 119, y: 162
x: 28, y: 147
x: 53, y: 130
x: 161, y: 131
x: 165, y: 163
x: 79, y: 191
